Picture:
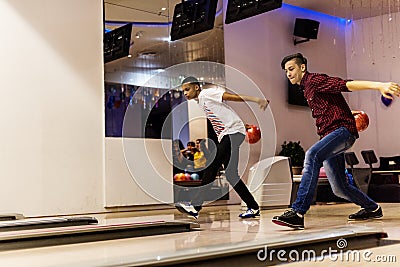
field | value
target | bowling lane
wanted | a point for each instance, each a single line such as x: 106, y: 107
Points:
x: 221, y: 231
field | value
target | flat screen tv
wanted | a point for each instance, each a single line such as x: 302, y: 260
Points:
x: 242, y: 9
x: 295, y: 95
x: 117, y: 43
x: 193, y: 17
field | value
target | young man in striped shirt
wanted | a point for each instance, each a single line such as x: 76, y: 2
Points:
x: 231, y: 132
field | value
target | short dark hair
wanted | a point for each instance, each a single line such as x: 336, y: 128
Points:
x: 191, y: 80
x: 298, y: 57
x: 191, y: 143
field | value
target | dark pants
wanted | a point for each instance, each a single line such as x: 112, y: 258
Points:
x: 228, y: 155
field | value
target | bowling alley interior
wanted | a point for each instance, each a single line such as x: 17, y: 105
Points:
x: 100, y: 147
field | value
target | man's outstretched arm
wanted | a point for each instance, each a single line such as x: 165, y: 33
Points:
x: 262, y: 103
x: 385, y: 88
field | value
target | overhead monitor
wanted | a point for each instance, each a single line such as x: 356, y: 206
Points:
x: 117, y: 43
x: 242, y: 9
x: 193, y: 17
x: 306, y: 28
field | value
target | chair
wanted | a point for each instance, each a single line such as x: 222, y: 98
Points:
x: 270, y: 182
x: 384, y: 185
x: 389, y: 163
x: 361, y: 176
x: 351, y: 159
x: 369, y: 157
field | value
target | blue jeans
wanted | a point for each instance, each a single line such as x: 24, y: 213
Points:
x: 329, y: 152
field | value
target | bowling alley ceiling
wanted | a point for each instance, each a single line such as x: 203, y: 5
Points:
x: 151, y: 10
x: 349, y: 9
x: 151, y: 48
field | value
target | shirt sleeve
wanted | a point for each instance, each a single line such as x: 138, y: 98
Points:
x: 327, y: 84
x: 214, y: 94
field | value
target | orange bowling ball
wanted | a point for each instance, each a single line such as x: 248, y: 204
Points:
x: 362, y: 120
x: 253, y: 134
x: 179, y: 177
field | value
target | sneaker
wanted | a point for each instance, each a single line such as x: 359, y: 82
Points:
x: 250, y: 213
x: 363, y: 214
x: 289, y: 218
x: 187, y: 209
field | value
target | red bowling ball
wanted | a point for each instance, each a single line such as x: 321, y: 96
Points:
x: 362, y: 120
x: 253, y: 134
x: 188, y: 177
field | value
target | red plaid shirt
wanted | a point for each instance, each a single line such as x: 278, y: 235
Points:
x: 328, y: 106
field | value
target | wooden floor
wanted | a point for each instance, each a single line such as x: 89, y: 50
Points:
x: 222, y: 231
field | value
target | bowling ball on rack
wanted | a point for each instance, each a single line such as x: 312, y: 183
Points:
x: 188, y: 177
x: 362, y: 120
x: 195, y: 177
x: 253, y: 134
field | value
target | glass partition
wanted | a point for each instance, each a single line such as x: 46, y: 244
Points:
x: 151, y: 51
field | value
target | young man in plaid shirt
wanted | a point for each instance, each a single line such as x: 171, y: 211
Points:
x: 337, y: 130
